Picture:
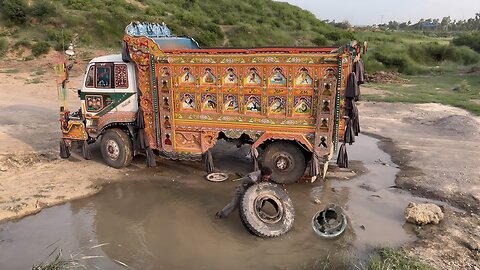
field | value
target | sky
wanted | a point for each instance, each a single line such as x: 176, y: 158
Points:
x: 368, y: 12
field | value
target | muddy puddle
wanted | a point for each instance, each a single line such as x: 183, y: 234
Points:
x: 164, y: 219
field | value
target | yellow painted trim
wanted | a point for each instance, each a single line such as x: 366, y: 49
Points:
x: 237, y: 125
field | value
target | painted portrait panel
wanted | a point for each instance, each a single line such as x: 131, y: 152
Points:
x: 277, y: 105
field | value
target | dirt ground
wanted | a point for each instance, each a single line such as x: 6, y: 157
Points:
x: 436, y: 147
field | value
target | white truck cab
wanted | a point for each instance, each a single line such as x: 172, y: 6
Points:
x: 108, y: 93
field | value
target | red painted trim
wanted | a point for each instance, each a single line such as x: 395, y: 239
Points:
x: 283, y: 136
x: 254, y: 51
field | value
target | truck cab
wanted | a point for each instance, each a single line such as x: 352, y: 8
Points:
x: 108, y: 94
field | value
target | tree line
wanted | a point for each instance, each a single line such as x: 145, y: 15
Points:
x: 445, y: 24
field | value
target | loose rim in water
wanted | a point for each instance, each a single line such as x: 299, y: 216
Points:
x: 317, y: 227
x: 217, y: 177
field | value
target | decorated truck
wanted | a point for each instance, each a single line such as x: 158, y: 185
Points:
x: 164, y: 96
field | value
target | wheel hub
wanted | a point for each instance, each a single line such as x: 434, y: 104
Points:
x: 264, y: 211
x: 283, y: 162
x: 113, y: 151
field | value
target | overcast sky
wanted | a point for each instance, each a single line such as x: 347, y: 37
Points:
x: 367, y: 12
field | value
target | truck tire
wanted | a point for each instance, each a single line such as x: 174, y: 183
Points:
x: 286, y: 160
x: 266, y: 210
x: 116, y: 148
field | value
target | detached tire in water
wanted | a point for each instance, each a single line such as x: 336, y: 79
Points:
x: 266, y: 210
x: 286, y: 160
x: 116, y: 148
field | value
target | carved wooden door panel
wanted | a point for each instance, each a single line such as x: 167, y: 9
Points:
x: 325, y: 111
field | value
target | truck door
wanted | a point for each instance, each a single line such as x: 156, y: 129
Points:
x: 108, y: 94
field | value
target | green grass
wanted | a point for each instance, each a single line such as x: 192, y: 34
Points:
x: 380, y: 259
x: 249, y: 22
x: 393, y: 259
x: 38, y: 72
x: 34, y: 81
x: 10, y: 71
x: 433, y: 88
x: 412, y: 52
x: 55, y: 263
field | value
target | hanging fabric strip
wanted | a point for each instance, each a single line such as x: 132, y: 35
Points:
x: 342, y: 158
x: 349, y: 136
x: 85, y: 151
x: 254, y: 155
x: 356, y: 119
x: 315, y: 167
x: 64, y: 149
x: 359, y: 69
x: 352, y: 87
x: 209, y: 162
x: 151, y: 162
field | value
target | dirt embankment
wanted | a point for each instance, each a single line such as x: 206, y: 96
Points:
x: 31, y: 174
x: 438, y: 151
x: 436, y: 146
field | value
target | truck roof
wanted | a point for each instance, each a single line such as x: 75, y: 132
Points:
x: 168, y: 43
x: 108, y: 58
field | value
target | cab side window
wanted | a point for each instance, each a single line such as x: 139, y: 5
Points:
x: 90, y: 81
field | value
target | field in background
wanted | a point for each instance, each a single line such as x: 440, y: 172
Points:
x: 460, y: 90
x: 414, y: 52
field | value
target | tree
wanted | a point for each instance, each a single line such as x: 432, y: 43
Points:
x: 15, y: 10
x: 445, y: 23
x: 393, y: 25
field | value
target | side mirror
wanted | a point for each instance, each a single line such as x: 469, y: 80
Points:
x: 79, y: 92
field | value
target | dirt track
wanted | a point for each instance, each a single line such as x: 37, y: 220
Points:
x: 436, y: 146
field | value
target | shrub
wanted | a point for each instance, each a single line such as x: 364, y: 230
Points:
x: 320, y: 40
x: 433, y: 53
x: 59, y: 39
x: 42, y: 9
x: 80, y: 4
x: 471, y: 40
x: 22, y: 43
x: 3, y: 46
x: 463, y: 54
x: 398, y: 60
x: 372, y: 65
x: 334, y: 35
x: 463, y: 86
x: 15, y: 10
x: 39, y: 48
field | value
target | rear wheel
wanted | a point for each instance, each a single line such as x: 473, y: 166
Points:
x: 286, y: 160
x: 116, y: 148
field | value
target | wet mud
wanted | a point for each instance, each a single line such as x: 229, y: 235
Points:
x: 163, y: 217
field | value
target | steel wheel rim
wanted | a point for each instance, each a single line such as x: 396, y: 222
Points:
x: 267, y: 217
x: 113, y: 151
x: 217, y: 177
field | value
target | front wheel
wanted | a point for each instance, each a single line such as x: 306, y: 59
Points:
x: 116, y: 148
x: 286, y: 160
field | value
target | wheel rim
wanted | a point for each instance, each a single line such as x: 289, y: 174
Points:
x: 327, y: 225
x: 269, y: 209
x: 283, y: 162
x: 217, y: 177
x: 113, y: 151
